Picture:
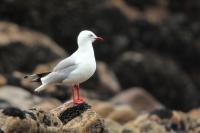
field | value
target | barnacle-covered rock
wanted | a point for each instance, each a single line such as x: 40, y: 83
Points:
x: 68, y: 118
x: 79, y: 118
x: 14, y: 120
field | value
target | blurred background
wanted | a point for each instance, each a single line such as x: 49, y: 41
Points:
x: 150, y: 57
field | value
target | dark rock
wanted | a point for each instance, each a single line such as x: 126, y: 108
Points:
x: 175, y: 127
x: 162, y: 113
x: 188, y: 7
x: 36, y: 121
x: 160, y: 76
x: 16, y: 39
x: 80, y: 118
x: 12, y: 80
x: 172, y: 39
x: 64, y: 24
x: 31, y: 115
x: 46, y: 120
x: 73, y: 112
x: 175, y: 36
x: 142, y: 4
x: 127, y: 131
x: 4, y: 104
x: 1, y: 131
x: 10, y: 124
x: 15, y: 112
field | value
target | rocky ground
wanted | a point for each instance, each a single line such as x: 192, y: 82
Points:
x: 147, y: 78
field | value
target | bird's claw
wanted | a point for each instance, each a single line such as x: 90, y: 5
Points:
x: 78, y: 101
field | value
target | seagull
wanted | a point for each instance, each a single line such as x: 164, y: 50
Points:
x: 73, y: 70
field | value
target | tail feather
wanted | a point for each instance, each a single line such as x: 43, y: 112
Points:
x: 36, y: 77
x: 40, y: 88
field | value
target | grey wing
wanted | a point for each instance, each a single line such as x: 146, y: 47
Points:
x: 59, y: 75
x: 64, y: 64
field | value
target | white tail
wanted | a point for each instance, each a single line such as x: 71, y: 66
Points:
x: 40, y: 88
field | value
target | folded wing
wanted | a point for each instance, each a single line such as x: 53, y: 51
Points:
x: 64, y: 64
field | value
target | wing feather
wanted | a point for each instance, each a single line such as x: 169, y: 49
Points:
x: 64, y: 64
x: 58, y: 76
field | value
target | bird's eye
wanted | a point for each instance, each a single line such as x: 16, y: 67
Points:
x: 90, y: 35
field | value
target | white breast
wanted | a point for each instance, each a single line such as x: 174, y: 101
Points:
x: 85, y: 68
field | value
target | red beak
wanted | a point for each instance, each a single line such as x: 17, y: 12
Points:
x: 99, y: 39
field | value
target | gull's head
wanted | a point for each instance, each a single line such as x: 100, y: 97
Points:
x: 87, y: 36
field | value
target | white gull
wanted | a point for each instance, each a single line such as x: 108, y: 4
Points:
x: 75, y: 69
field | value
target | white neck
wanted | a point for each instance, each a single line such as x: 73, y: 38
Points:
x: 86, y: 48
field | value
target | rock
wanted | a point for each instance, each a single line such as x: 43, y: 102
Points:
x: 160, y: 76
x: 118, y: 113
x: 47, y: 104
x: 162, y: 113
x: 79, y: 118
x: 141, y: 125
x: 138, y: 99
x: 194, y: 113
x: 112, y: 126
x: 20, y: 98
x: 60, y: 92
x: 154, y: 11
x: 4, y: 104
x: 103, y: 108
x: 64, y: 119
x: 166, y: 28
x: 41, y: 68
x: 170, y: 43
x: 31, y: 121
x: 15, y: 39
x: 17, y: 79
x: 186, y: 4
x: 162, y: 121
x: 71, y: 118
x: 46, y: 67
x: 3, y: 80
x: 141, y: 35
x: 122, y: 114
x: 107, y: 78
x: 47, y: 122
x: 13, y: 120
x: 142, y: 4
x: 104, y: 81
x: 41, y: 16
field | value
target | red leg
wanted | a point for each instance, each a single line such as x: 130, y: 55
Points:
x: 78, y: 92
x: 78, y: 100
x: 73, y: 96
